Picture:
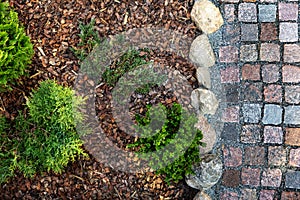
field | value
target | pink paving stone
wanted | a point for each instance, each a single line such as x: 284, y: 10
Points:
x: 291, y: 74
x: 250, y: 176
x: 269, y: 52
x: 270, y: 73
x: 248, y: 194
x: 251, y: 72
x: 254, y: 155
x: 266, y: 194
x: 231, y: 114
x: 229, y: 12
x: 273, y: 135
x: 290, y: 195
x: 273, y: 93
x: 271, y: 177
x: 288, y: 11
x: 232, y: 156
x: 277, y: 156
x: 295, y: 157
x: 250, y: 134
x: 228, y: 54
x: 230, y: 74
x: 291, y: 53
x: 229, y: 195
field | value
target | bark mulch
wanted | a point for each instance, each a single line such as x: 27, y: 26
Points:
x: 53, y: 28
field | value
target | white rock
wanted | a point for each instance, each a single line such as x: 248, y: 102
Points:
x: 203, y: 76
x: 202, y: 196
x: 207, y: 16
x: 201, y: 52
x: 204, y: 101
x: 209, y: 135
x: 207, y: 173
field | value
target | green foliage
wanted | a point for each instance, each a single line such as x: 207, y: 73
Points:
x: 47, y: 138
x: 154, y: 139
x: 89, y: 38
x: 16, y: 49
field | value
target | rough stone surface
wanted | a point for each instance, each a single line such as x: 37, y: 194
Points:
x: 287, y: 11
x: 291, y: 53
x: 248, y: 194
x: 232, y: 93
x: 231, y: 178
x: 273, y: 93
x: 231, y: 114
x: 229, y: 10
x: 271, y: 177
x: 269, y: 52
x: 254, y: 155
x: 230, y: 74
x: 272, y: 114
x: 206, y: 16
x: 202, y: 196
x: 273, y: 135
x: 267, y: 13
x: 294, y: 158
x: 292, y: 115
x: 248, y: 53
x: 203, y: 76
x: 266, y: 194
x: 252, y: 91
x: 270, y: 73
x: 229, y: 195
x: 250, y: 176
x: 277, y: 156
x: 247, y: 12
x: 231, y: 33
x: 230, y: 132
x: 251, y: 112
x: 209, y: 134
x: 249, y: 32
x: 268, y: 32
x: 228, y: 54
x: 251, y: 72
x: 204, y: 101
x: 290, y: 73
x: 251, y: 134
x: 292, y: 94
x: 292, y: 179
x: 290, y: 195
x: 207, y: 173
x: 292, y: 136
x: 232, y: 156
x: 201, y: 52
x: 288, y: 32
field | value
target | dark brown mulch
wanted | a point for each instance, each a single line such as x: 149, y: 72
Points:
x: 53, y: 28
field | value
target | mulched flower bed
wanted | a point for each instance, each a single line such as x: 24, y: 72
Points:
x: 53, y: 28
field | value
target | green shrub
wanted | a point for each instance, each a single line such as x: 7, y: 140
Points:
x: 46, y: 140
x: 154, y: 140
x: 16, y: 49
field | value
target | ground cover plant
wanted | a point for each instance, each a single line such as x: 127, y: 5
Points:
x: 16, y: 49
x: 45, y: 139
x: 155, y: 138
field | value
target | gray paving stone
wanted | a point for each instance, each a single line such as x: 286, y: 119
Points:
x: 251, y: 113
x: 292, y: 115
x: 292, y: 179
x: 247, y: 12
x: 267, y: 13
x: 249, y: 32
x: 272, y: 114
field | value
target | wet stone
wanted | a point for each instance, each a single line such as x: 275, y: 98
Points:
x: 251, y: 112
x: 251, y: 134
x: 292, y: 115
x: 254, y: 155
x: 272, y: 114
x: 207, y: 174
x: 250, y: 176
x: 292, y: 179
x: 271, y: 177
x: 231, y: 178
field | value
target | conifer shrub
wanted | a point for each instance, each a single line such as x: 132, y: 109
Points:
x: 16, y: 49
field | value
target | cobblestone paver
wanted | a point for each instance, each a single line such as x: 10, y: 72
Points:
x: 259, y: 63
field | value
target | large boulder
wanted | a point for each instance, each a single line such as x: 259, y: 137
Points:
x: 204, y: 101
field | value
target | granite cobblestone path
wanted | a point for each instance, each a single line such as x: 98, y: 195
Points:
x: 258, y: 59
